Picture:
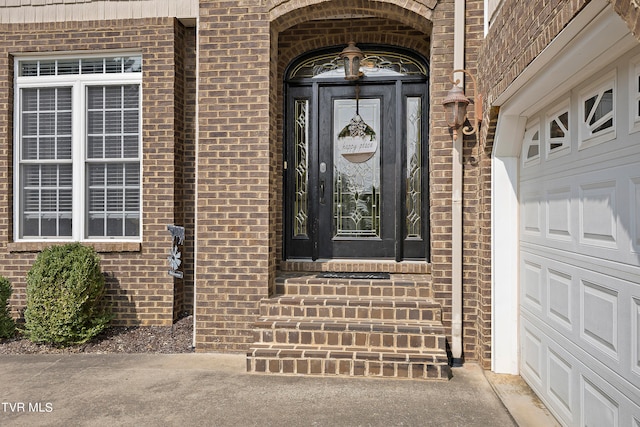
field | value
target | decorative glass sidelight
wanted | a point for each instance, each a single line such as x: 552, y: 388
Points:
x: 356, y: 190
x: 414, y: 167
x: 301, y: 167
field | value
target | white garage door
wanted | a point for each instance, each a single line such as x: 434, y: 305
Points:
x: 580, y: 250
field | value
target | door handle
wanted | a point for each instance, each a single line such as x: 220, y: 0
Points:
x: 322, y: 191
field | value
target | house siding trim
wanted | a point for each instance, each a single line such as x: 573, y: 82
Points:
x: 34, y: 11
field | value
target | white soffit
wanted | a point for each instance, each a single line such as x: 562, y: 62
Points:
x: 595, y: 37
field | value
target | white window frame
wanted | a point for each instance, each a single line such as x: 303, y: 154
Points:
x: 78, y: 84
x: 586, y: 137
x: 491, y: 8
x: 554, y: 115
x: 634, y: 95
x: 530, y: 130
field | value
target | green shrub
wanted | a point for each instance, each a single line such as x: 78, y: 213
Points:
x: 65, y: 290
x: 7, y: 325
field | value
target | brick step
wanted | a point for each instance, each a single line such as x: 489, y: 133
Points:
x: 417, y: 337
x: 360, y: 325
x: 398, y: 285
x: 353, y: 265
x: 347, y: 307
x: 354, y: 362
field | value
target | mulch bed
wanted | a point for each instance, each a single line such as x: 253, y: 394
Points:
x: 177, y: 338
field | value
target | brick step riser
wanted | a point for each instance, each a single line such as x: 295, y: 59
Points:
x: 400, y: 341
x: 362, y: 290
x: 352, y: 328
x: 350, y: 368
x: 428, y: 314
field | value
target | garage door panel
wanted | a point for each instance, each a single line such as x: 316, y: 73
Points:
x: 598, y: 213
x: 532, y: 285
x: 598, y: 409
x: 531, y: 214
x: 559, y: 288
x: 559, y: 224
x: 599, y: 317
x: 532, y: 355
x: 547, y: 290
x: 635, y: 335
x: 597, y: 313
x: 579, y: 160
x: 602, y: 404
x: 550, y: 373
x: 560, y: 387
x: 634, y: 206
x: 588, y: 213
x: 574, y: 386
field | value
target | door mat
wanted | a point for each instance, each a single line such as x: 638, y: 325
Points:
x: 369, y: 276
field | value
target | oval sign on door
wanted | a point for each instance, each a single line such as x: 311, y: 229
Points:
x: 358, y: 141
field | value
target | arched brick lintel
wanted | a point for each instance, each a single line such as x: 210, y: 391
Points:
x: 416, y: 44
x: 414, y: 13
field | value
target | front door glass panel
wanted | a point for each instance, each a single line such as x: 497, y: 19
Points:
x: 301, y: 168
x: 356, y: 161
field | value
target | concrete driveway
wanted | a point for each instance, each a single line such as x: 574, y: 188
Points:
x: 214, y: 390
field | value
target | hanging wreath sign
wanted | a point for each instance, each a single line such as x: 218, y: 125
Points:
x: 358, y: 142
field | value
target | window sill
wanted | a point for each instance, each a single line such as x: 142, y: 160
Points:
x: 101, y: 247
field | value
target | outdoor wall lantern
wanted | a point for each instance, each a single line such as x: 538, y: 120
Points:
x: 455, y: 106
x: 351, y: 55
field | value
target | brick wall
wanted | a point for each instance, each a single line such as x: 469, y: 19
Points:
x: 184, y: 161
x: 244, y: 47
x: 240, y: 154
x: 476, y: 213
x: 441, y: 176
x: 472, y: 210
x: 519, y: 32
x: 233, y: 236
x: 139, y: 286
x: 630, y: 12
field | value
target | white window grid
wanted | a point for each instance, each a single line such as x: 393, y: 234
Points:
x: 597, y: 112
x: 73, y: 65
x: 80, y: 159
x: 557, y: 131
x: 46, y: 159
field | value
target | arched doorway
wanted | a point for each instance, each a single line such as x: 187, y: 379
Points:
x: 355, y: 174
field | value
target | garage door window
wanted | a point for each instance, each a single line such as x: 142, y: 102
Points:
x: 531, y: 145
x: 558, y: 138
x: 597, y: 113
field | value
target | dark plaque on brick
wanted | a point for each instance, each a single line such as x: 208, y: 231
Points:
x: 175, y: 254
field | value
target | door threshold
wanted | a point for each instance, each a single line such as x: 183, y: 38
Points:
x: 357, y: 265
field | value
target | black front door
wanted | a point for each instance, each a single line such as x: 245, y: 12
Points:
x: 356, y: 171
